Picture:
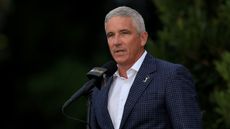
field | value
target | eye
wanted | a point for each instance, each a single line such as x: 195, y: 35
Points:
x: 124, y: 32
x: 110, y: 34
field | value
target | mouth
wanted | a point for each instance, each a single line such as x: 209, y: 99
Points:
x: 119, y: 51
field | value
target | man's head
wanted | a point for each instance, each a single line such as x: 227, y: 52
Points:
x: 126, y: 35
x: 128, y: 12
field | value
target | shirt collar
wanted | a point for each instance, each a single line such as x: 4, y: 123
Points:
x: 136, y: 66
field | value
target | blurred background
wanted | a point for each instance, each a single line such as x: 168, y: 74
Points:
x: 48, y: 46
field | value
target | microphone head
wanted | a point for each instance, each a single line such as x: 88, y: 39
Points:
x: 108, y: 68
x: 96, y: 72
x: 111, y: 67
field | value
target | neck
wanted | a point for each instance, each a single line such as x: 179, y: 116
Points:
x: 123, y: 72
x: 123, y: 68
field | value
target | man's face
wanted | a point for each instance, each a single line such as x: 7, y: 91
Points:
x: 125, y: 43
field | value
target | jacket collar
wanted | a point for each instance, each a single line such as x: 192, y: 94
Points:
x: 143, y: 78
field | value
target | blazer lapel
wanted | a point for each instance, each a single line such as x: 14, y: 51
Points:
x: 144, y: 76
x: 102, y: 105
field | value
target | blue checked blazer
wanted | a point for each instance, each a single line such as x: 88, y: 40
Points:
x: 162, y: 96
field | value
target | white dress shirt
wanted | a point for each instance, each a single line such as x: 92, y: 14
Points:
x: 119, y: 92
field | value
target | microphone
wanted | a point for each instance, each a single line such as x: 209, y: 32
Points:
x: 95, y: 75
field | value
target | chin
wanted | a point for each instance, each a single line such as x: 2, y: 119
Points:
x: 121, y: 62
x: 120, y: 59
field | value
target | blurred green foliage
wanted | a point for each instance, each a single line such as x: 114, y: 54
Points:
x: 196, y: 33
x: 221, y: 95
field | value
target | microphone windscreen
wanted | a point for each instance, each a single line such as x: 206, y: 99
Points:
x: 111, y: 67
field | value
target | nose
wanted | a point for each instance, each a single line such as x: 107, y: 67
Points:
x: 117, y: 40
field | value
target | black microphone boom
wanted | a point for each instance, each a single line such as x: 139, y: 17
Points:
x: 95, y: 75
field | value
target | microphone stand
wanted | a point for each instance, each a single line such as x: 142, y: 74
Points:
x: 88, y: 95
x: 88, y: 110
x: 97, y: 78
x: 83, y: 92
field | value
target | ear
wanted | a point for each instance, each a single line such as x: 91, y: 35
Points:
x: 144, y: 38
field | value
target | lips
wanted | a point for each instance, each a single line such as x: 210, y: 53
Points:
x: 117, y: 51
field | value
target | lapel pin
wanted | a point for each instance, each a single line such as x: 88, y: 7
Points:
x: 146, y: 79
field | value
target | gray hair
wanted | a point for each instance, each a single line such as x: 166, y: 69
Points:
x: 128, y: 12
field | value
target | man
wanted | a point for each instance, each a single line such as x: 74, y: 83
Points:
x: 144, y: 92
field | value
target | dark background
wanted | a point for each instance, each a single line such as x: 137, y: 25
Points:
x: 48, y: 46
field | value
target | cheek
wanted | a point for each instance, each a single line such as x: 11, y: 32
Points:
x: 110, y: 46
x: 134, y: 47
